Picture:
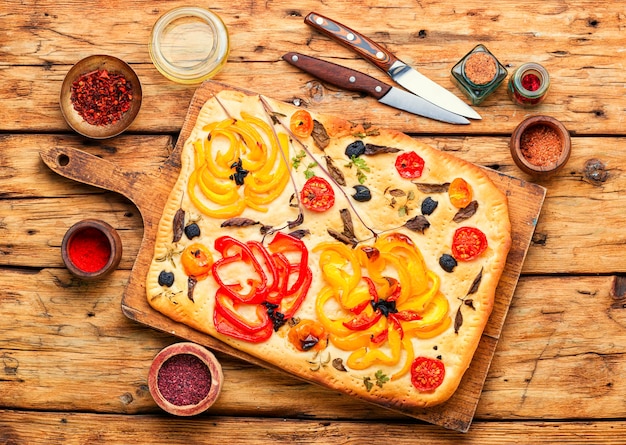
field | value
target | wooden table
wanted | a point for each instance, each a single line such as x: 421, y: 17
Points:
x: 73, y: 368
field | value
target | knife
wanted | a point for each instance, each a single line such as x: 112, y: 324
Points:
x: 386, y: 94
x: 399, y: 71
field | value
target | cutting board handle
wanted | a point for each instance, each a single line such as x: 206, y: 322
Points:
x: 89, y: 169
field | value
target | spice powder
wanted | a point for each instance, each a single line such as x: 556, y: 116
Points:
x: 480, y: 68
x: 541, y: 145
x: 184, y: 379
x: 89, y: 250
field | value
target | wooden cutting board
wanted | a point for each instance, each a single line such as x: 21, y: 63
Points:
x: 149, y: 190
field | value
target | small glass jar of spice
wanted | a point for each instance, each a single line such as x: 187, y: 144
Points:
x: 478, y: 74
x: 529, y: 84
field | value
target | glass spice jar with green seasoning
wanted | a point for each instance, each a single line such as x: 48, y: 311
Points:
x: 478, y: 74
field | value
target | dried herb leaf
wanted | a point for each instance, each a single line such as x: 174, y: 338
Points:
x: 299, y: 234
x: 348, y: 227
x: 466, y: 212
x: 469, y: 302
x: 178, y: 225
x: 476, y: 284
x: 338, y: 365
x: 432, y: 188
x: 319, y: 135
x: 342, y: 238
x: 371, y: 149
x: 296, y: 222
x: 418, y: 223
x: 397, y: 193
x: 367, y: 381
x: 239, y: 222
x: 458, y: 320
x: 191, y: 285
x: 381, y: 378
x: 334, y: 171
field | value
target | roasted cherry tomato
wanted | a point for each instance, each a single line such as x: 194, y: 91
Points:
x: 410, y: 165
x: 301, y: 123
x: 308, y: 335
x: 468, y: 243
x: 317, y: 194
x: 197, y: 261
x: 460, y: 193
x: 427, y: 373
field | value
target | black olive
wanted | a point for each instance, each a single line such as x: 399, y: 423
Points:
x: 428, y: 206
x: 356, y: 149
x: 362, y: 194
x: 447, y: 262
x: 166, y: 278
x: 192, y: 230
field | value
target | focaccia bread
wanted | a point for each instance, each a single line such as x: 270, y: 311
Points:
x: 352, y: 256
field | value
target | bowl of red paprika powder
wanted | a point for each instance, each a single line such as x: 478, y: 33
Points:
x: 540, y: 146
x: 100, y: 96
x: 91, y: 249
x: 185, y: 379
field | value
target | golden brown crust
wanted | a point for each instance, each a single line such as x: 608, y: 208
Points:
x: 394, y: 201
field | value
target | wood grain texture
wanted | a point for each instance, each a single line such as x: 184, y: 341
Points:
x: 73, y: 368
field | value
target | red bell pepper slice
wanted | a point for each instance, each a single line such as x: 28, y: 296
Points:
x: 290, y: 303
x: 233, y: 250
x: 363, y: 321
x: 286, y: 243
x: 223, y: 326
x: 228, y: 309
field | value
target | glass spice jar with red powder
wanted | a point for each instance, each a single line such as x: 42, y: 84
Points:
x: 529, y: 84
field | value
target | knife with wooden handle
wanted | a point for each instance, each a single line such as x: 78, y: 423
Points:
x: 403, y: 74
x: 353, y: 80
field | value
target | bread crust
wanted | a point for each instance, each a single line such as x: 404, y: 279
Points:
x: 394, y: 201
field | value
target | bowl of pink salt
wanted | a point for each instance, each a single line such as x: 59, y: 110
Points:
x: 91, y: 249
x: 185, y: 379
x: 540, y: 146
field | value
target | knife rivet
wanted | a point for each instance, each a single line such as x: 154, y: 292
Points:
x: 378, y: 89
x: 294, y: 58
x: 319, y: 21
x: 352, y: 79
x: 350, y: 36
x: 380, y: 55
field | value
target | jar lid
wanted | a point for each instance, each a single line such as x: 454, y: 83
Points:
x: 189, y: 44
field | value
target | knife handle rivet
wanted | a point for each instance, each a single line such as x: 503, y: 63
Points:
x: 350, y: 36
x: 319, y: 21
x: 380, y: 55
x: 352, y: 79
x: 378, y: 89
x: 294, y: 58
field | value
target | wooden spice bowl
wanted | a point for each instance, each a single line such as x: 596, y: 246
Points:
x: 185, y: 379
x: 112, y: 65
x: 91, y: 249
x: 553, y: 143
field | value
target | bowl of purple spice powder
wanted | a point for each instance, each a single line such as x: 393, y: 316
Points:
x: 185, y: 379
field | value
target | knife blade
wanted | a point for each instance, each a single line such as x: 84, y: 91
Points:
x: 403, y: 74
x: 386, y: 94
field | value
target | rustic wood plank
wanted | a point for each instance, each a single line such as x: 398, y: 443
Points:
x: 18, y: 427
x: 69, y: 346
x: 583, y: 210
x: 576, y: 41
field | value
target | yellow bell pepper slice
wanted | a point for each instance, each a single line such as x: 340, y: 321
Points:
x: 363, y: 358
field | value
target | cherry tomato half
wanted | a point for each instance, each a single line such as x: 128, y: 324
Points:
x: 427, y: 373
x: 301, y: 123
x: 197, y: 261
x: 308, y: 335
x: 410, y: 165
x: 468, y: 243
x: 317, y: 194
x: 460, y: 193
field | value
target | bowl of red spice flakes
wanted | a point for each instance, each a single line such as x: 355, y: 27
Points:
x: 540, y: 146
x: 185, y: 379
x: 100, y: 96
